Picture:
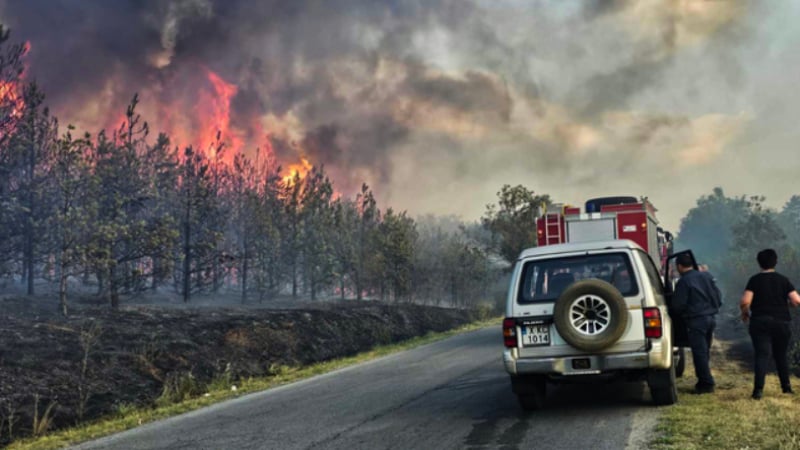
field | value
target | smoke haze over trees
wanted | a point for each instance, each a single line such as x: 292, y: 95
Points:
x: 434, y: 104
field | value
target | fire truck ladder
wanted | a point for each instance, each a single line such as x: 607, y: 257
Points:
x: 552, y: 220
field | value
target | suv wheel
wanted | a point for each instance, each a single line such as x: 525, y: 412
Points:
x: 591, y: 315
x: 530, y: 390
x: 662, y: 385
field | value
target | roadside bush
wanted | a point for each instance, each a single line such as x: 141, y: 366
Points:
x: 179, y: 386
x: 485, y: 311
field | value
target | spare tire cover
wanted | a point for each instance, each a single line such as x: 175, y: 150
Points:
x: 591, y: 315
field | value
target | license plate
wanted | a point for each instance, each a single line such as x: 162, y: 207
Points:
x: 534, y: 335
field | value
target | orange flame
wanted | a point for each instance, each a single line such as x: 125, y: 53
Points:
x: 200, y: 113
x: 214, y: 113
x: 300, y: 170
x: 11, y: 95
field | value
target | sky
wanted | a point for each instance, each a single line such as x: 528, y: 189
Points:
x: 436, y: 104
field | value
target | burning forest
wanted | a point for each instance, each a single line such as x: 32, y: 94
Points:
x: 183, y: 182
x: 108, y: 237
x: 129, y: 210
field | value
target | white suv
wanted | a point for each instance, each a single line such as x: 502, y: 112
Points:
x: 584, y: 310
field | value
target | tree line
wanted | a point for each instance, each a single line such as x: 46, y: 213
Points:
x: 127, y: 212
x: 726, y: 232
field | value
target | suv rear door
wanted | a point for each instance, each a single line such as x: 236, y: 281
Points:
x: 541, y: 281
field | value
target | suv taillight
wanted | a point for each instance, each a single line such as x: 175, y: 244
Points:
x: 652, y: 323
x: 510, y: 332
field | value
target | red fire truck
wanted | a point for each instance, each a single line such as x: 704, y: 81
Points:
x: 607, y: 218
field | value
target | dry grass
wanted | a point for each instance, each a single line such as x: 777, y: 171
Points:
x: 41, y: 423
x: 129, y: 417
x: 729, y: 418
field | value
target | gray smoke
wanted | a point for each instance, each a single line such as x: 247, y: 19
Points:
x: 435, y: 103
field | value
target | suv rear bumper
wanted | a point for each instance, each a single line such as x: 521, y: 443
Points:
x: 575, y: 365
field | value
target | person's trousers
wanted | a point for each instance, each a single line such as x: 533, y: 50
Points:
x: 768, y: 333
x: 701, y: 334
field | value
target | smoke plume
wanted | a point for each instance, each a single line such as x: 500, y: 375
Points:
x: 438, y: 103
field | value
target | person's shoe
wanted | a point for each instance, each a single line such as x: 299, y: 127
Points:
x: 704, y: 389
x: 757, y: 394
x: 787, y: 390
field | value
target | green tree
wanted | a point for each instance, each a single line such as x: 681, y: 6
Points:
x: 397, y: 237
x: 317, y: 226
x: 366, y: 258
x: 161, y: 168
x: 291, y: 198
x: 345, y: 224
x: 244, y: 217
x: 269, y: 244
x: 789, y: 220
x: 70, y: 221
x: 11, y: 109
x: 31, y: 146
x: 708, y: 228
x: 512, y: 221
x: 198, y: 238
x: 125, y: 230
x: 758, y: 229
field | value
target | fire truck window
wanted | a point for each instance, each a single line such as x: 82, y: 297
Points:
x: 545, y: 280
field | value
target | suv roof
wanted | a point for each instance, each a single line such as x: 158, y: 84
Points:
x: 579, y: 247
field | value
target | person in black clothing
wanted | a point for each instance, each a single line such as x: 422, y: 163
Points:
x: 697, y: 299
x: 765, y: 304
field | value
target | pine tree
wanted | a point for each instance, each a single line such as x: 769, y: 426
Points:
x: 127, y: 232
x: 345, y: 224
x: 70, y: 221
x: 33, y: 142
x: 199, y: 239
x: 369, y: 217
x: 397, y: 237
x: 317, y: 224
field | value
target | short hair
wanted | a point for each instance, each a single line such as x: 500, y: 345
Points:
x: 685, y: 260
x: 767, y: 258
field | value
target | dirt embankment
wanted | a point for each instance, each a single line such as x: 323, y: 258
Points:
x: 94, y: 362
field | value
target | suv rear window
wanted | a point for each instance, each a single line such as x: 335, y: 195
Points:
x: 544, y: 280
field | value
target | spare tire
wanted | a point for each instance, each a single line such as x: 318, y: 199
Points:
x: 591, y: 315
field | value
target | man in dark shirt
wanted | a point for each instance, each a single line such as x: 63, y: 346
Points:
x: 765, y: 304
x: 697, y: 299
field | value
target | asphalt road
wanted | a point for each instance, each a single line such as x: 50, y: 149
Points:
x: 450, y: 394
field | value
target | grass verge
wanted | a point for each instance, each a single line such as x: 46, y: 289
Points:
x: 729, y: 418
x: 130, y: 417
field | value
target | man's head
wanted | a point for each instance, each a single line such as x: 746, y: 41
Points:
x: 767, y: 259
x: 684, y: 262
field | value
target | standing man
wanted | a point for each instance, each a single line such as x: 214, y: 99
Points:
x: 765, y: 304
x: 697, y: 299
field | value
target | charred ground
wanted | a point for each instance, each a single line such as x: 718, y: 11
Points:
x: 98, y: 360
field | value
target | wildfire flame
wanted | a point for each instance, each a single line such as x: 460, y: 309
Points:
x: 300, y: 169
x: 10, y: 95
x: 214, y: 112
x: 11, y: 98
x: 200, y: 117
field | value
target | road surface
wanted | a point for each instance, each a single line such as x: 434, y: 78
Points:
x: 450, y: 394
